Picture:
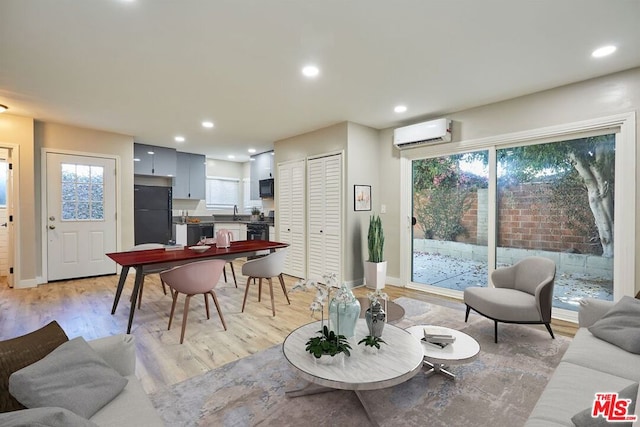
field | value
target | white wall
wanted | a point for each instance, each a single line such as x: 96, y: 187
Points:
x: 359, y: 145
x: 601, y: 97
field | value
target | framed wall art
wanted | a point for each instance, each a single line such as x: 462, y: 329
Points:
x: 361, y: 197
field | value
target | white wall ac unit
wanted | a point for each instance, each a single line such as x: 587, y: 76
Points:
x: 431, y: 132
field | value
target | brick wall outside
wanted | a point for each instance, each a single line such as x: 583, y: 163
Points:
x: 527, y: 221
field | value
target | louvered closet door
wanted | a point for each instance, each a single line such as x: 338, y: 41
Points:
x: 325, y: 216
x: 291, y: 215
x: 298, y: 253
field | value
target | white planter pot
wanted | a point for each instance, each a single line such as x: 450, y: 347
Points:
x: 375, y: 274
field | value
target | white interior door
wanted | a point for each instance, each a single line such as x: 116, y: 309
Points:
x: 81, y: 216
x: 9, y: 221
x: 324, y: 183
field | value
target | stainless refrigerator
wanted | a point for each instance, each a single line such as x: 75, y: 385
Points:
x: 152, y: 214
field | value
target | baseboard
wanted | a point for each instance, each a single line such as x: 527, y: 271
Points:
x: 29, y: 283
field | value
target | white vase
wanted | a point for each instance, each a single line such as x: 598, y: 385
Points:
x: 375, y: 274
x: 326, y: 359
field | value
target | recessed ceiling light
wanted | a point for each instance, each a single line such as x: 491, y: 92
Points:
x: 231, y: 156
x: 179, y: 138
x: 3, y: 108
x: 150, y: 152
x: 603, y: 51
x: 400, y: 109
x: 207, y: 124
x: 135, y: 159
x: 310, y: 71
x: 251, y: 150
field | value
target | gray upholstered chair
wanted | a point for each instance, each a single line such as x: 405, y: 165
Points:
x: 523, y: 293
x: 265, y: 267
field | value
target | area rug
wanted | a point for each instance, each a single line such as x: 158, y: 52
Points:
x: 499, y: 388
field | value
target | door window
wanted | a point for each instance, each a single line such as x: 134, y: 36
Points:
x: 82, y: 192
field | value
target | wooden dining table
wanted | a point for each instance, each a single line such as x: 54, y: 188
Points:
x: 148, y: 259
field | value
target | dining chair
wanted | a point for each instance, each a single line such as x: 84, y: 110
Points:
x: 157, y: 268
x: 522, y: 293
x: 265, y: 268
x: 192, y: 279
x: 212, y: 241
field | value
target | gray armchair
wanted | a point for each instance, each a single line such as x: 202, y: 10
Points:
x: 522, y: 294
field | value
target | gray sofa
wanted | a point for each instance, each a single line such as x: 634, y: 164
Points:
x: 589, y: 366
x: 131, y: 407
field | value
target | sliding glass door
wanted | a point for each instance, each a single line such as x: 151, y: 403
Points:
x: 554, y: 200
x: 450, y: 206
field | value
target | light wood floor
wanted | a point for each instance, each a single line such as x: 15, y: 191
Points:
x: 82, y: 307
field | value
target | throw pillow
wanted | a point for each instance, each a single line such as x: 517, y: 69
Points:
x: 16, y: 353
x: 584, y: 418
x: 73, y: 376
x: 41, y: 417
x: 620, y: 326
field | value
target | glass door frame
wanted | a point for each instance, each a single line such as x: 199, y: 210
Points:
x: 624, y: 125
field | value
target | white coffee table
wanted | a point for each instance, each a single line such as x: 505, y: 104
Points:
x: 463, y: 350
x: 396, y: 362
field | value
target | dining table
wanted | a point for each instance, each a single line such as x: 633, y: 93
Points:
x: 171, y: 257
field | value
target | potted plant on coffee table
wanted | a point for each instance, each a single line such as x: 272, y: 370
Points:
x: 328, y: 344
x: 371, y: 343
x: 375, y: 269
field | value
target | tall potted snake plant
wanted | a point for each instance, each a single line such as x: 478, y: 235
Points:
x: 375, y: 269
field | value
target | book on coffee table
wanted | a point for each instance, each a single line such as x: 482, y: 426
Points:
x: 437, y: 336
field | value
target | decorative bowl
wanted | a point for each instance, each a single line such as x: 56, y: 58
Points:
x: 199, y: 248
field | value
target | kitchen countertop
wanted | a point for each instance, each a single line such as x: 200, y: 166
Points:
x: 244, y: 219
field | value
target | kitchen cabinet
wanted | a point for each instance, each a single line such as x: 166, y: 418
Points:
x: 154, y: 161
x: 324, y: 216
x: 190, y: 178
x: 261, y: 168
x: 290, y: 221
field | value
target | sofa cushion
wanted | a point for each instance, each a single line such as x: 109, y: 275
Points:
x: 571, y: 389
x: 16, y: 353
x: 584, y: 418
x: 44, y: 417
x: 621, y: 325
x: 591, y: 352
x: 72, y: 376
x: 131, y: 407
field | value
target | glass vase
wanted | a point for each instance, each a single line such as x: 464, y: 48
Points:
x: 344, y: 311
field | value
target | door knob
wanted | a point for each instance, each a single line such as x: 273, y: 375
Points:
x: 52, y: 218
x: 52, y: 227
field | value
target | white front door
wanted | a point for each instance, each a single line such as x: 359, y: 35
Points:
x: 81, y: 216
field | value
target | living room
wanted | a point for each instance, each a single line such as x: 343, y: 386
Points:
x: 606, y: 101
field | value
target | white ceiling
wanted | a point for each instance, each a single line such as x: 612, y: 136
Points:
x: 155, y: 69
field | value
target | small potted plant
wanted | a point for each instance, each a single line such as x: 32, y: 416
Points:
x: 371, y: 343
x: 255, y: 213
x: 328, y: 343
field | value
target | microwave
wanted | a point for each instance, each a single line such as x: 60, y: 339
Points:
x: 266, y: 188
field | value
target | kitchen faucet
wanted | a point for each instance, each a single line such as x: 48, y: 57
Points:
x: 235, y: 212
